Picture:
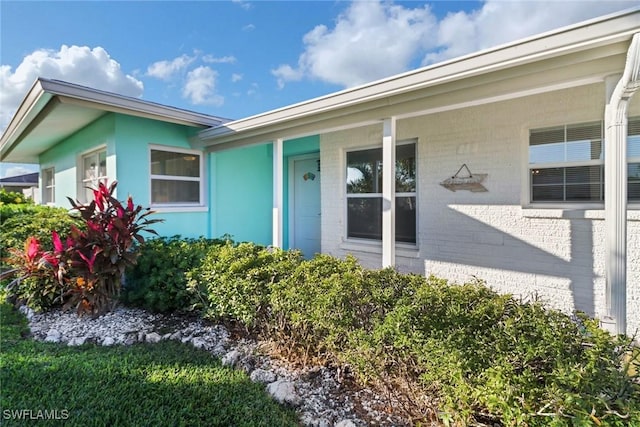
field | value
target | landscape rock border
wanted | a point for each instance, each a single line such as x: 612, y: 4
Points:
x: 316, y: 393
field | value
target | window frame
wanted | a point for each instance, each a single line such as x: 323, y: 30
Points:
x: 347, y: 195
x: 48, y: 187
x: 573, y: 204
x: 634, y: 204
x: 84, y: 182
x: 200, y: 179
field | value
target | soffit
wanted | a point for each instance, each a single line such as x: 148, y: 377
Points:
x: 54, y: 110
x: 55, y: 123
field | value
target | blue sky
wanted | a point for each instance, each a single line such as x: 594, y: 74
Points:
x: 234, y: 59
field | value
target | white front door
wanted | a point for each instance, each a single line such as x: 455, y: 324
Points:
x: 304, y: 204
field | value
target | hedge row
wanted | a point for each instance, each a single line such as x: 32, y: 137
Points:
x: 158, y: 282
x: 473, y: 354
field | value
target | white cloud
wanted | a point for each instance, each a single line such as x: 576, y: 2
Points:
x: 200, y: 87
x: 165, y: 70
x: 198, y: 82
x: 253, y: 89
x: 219, y: 60
x: 370, y: 40
x: 243, y: 4
x: 249, y: 27
x: 286, y: 73
x: 236, y: 77
x: 75, y: 64
x: 375, y: 39
x: 500, y: 21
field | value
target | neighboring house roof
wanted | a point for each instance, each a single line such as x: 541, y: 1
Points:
x: 53, y: 110
x: 576, y: 55
x: 27, y: 180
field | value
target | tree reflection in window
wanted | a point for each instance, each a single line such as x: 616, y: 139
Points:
x: 364, y: 193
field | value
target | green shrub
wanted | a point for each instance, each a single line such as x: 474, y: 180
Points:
x: 234, y: 282
x: 10, y: 210
x: 325, y: 299
x: 482, y: 356
x: 484, y: 353
x: 13, y: 198
x: 19, y: 222
x: 158, y: 282
x: 31, y: 281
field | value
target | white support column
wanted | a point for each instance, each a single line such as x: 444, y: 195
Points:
x: 615, y: 167
x: 278, y: 198
x: 389, y: 193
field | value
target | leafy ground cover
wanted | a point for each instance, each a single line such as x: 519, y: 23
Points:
x: 460, y: 353
x: 140, y: 385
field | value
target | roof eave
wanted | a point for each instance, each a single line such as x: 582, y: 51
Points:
x: 44, y: 90
x: 108, y: 101
x: 32, y: 104
x: 577, y: 37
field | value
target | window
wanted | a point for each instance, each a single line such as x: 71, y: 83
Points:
x: 566, y: 163
x: 176, y: 177
x: 94, y: 170
x: 633, y: 157
x: 48, y: 186
x: 364, y: 193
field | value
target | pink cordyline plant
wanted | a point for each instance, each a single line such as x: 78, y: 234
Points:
x: 89, y: 265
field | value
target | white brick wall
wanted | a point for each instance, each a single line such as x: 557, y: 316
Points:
x: 556, y: 254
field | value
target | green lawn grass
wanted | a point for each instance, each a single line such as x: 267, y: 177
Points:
x: 140, y: 385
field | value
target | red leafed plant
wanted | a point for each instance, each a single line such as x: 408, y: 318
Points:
x: 89, y: 264
x: 34, y: 284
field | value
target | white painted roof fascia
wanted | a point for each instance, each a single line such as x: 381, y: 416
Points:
x: 43, y: 90
x: 35, y: 100
x: 132, y: 105
x: 604, y: 30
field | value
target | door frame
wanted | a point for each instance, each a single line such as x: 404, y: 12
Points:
x: 291, y: 211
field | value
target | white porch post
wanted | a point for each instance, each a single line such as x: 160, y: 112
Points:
x: 615, y: 169
x: 389, y: 193
x: 278, y: 180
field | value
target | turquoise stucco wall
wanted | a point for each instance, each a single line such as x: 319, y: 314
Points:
x: 242, y: 189
x: 133, y: 135
x: 64, y: 156
x: 242, y: 193
x: 238, y: 182
x: 127, y: 141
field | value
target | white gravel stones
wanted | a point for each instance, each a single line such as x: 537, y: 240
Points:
x: 284, y: 392
x: 263, y: 376
x: 319, y: 398
x: 53, y: 336
x: 152, y: 337
x: 28, y: 313
x: 77, y: 341
x: 231, y: 358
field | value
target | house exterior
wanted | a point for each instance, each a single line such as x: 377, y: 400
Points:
x: 26, y: 184
x: 491, y: 165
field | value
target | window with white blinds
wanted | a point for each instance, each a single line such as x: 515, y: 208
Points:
x: 566, y: 163
x: 176, y: 177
